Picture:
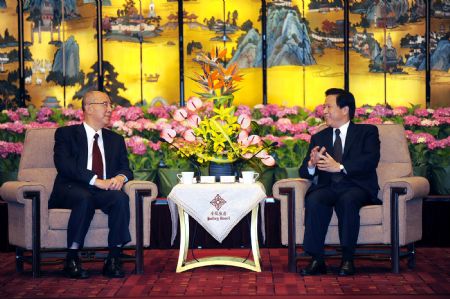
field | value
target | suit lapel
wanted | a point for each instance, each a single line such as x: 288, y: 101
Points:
x: 349, y: 139
x: 329, y: 141
x: 81, y: 141
x: 107, y: 145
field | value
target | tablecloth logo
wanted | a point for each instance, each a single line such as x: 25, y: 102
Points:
x: 218, y: 202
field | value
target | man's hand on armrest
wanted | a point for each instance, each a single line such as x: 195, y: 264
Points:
x: 117, y: 182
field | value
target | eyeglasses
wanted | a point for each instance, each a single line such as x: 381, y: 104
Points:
x: 105, y: 104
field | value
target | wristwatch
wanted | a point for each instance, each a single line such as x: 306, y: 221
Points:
x: 341, y: 167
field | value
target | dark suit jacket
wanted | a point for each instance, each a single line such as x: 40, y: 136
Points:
x: 71, y: 154
x: 360, y: 158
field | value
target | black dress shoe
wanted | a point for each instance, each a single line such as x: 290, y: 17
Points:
x: 315, y: 267
x: 347, y: 268
x: 113, y: 268
x: 73, y: 269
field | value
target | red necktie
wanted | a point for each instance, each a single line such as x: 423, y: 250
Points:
x: 97, y: 162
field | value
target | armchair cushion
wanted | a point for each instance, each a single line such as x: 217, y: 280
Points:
x: 59, y: 218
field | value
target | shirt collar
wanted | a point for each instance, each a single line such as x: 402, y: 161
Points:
x: 90, y: 132
x: 343, y: 128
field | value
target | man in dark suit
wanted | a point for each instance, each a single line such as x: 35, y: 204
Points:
x: 343, y: 159
x: 92, y: 165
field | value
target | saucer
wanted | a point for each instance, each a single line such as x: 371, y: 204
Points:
x: 241, y: 180
x: 227, y: 179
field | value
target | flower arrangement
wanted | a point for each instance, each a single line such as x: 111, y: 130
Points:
x: 216, y: 81
x: 212, y: 129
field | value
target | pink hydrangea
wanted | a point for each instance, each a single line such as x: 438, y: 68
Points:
x: 16, y: 127
x: 421, y: 112
x: 44, y: 114
x: 416, y: 138
x: 269, y: 110
x: 303, y: 136
x: 360, y: 111
x: 134, y: 113
x: 243, y: 110
x: 137, y: 145
x: 283, y: 124
x: 429, y: 122
x: 134, y: 125
x: 17, y: 114
x: 12, y: 115
x: 443, y: 119
x: 68, y: 112
x: 146, y: 124
x: 373, y: 121
x: 400, y: 111
x: 439, y: 144
x: 10, y: 148
x: 299, y: 127
x: 442, y: 112
x: 155, y: 146
x: 46, y: 124
x: 380, y: 111
x: 265, y: 121
x: 319, y: 111
x: 159, y: 112
x: 411, y: 120
x: 283, y: 111
x: 79, y: 114
x: 73, y: 122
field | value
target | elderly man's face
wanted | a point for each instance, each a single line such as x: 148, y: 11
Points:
x: 98, y: 109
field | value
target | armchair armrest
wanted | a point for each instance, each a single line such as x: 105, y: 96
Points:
x: 416, y: 187
x: 15, y: 191
x: 300, y: 186
x: 132, y: 186
x: 291, y: 193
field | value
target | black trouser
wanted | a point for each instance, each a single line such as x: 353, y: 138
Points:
x: 83, y: 200
x: 347, y: 199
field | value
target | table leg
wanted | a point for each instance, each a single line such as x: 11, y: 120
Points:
x: 184, y: 265
x: 184, y: 239
x: 254, y: 239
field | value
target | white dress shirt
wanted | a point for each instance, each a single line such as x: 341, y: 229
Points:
x: 90, y: 132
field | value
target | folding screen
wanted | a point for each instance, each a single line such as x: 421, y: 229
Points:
x: 440, y: 57
x: 233, y: 25
x: 140, y: 42
x: 325, y: 20
x: 381, y: 41
x: 305, y: 50
x: 9, y: 77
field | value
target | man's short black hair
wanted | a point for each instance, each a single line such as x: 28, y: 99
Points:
x: 343, y: 99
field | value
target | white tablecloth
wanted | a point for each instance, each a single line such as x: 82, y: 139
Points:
x: 216, y: 207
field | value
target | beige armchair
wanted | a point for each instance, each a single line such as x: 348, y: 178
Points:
x: 32, y: 226
x: 397, y: 222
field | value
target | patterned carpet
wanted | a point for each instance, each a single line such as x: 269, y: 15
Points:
x: 431, y: 278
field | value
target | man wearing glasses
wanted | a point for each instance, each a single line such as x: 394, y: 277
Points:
x: 92, y: 165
